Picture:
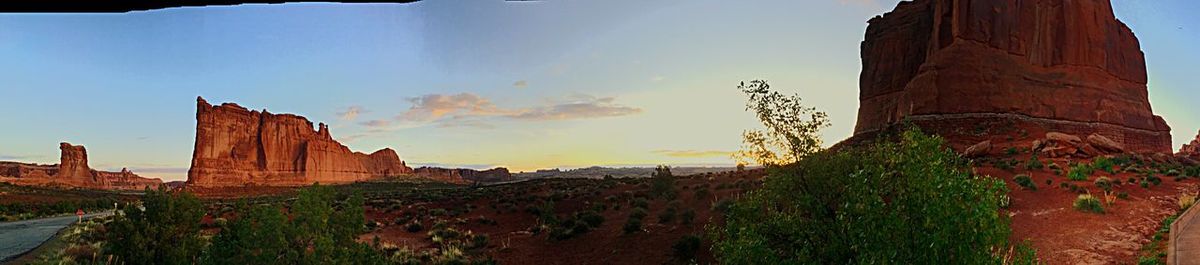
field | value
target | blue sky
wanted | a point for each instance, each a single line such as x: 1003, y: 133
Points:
x: 475, y: 83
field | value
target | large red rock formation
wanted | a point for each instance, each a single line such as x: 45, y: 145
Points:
x: 237, y: 147
x: 1041, y: 65
x: 73, y: 171
x: 1191, y: 150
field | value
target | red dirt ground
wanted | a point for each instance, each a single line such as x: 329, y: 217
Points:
x: 1063, y: 235
x: 511, y: 243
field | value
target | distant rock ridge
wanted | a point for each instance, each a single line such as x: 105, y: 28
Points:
x: 1191, y: 150
x: 73, y: 171
x: 465, y: 175
x: 239, y: 147
x: 1040, y: 66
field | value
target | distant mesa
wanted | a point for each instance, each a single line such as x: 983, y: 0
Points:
x: 238, y: 147
x: 1191, y: 151
x: 972, y: 71
x: 73, y: 171
x: 459, y: 175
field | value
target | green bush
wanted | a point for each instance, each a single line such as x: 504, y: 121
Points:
x: 321, y: 229
x: 634, y: 225
x: 1034, y: 163
x: 688, y: 216
x: 1088, y: 203
x: 1025, y: 181
x: 166, y: 231
x: 1079, y: 173
x: 685, y: 248
x: 912, y: 202
x: 1105, y: 164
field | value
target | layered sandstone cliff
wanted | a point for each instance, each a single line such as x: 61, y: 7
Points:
x: 1040, y: 65
x: 1191, y: 150
x: 237, y: 147
x: 73, y: 171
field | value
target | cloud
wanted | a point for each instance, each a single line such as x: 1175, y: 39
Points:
x: 434, y: 106
x: 693, y: 153
x: 15, y: 157
x: 589, y: 107
x: 376, y: 123
x: 464, y: 121
x: 351, y: 113
x: 520, y: 84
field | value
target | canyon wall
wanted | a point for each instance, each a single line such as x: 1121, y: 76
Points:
x: 238, y: 147
x: 1040, y: 65
x: 73, y: 171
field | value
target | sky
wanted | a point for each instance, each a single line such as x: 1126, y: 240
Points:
x: 472, y: 83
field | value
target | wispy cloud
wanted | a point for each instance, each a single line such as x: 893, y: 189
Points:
x: 468, y: 110
x: 692, y: 153
x: 520, y: 84
x: 350, y: 113
x: 376, y: 123
x: 584, y: 108
x: 16, y: 157
x: 434, y: 106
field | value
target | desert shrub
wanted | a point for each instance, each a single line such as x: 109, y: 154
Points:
x: 1123, y: 195
x: 1088, y: 203
x: 633, y: 225
x: 1186, y: 201
x: 1025, y: 181
x: 1172, y: 172
x: 591, y: 218
x: 1105, y: 164
x: 1034, y: 163
x: 167, y: 231
x: 685, y: 248
x: 688, y: 216
x: 414, y: 226
x: 701, y: 194
x: 640, y: 202
x: 1011, y: 151
x: 847, y: 207
x: 1154, y: 180
x: 1104, y: 183
x: 638, y: 213
x: 1079, y: 173
x: 667, y: 215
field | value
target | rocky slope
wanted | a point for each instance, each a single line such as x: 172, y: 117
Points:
x: 239, y: 147
x: 73, y: 171
x: 1041, y: 66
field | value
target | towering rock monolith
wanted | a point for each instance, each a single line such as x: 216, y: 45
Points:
x: 239, y: 147
x: 962, y: 67
x: 73, y: 171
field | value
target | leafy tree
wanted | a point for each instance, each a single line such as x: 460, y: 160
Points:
x: 792, y: 130
x: 662, y: 182
x: 165, y: 231
x: 911, y: 202
x: 317, y: 233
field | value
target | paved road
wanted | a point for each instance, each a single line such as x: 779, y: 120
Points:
x: 19, y: 237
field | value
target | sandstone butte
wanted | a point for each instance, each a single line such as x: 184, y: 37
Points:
x: 73, y: 171
x: 1191, y: 150
x: 951, y: 67
x: 239, y: 147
